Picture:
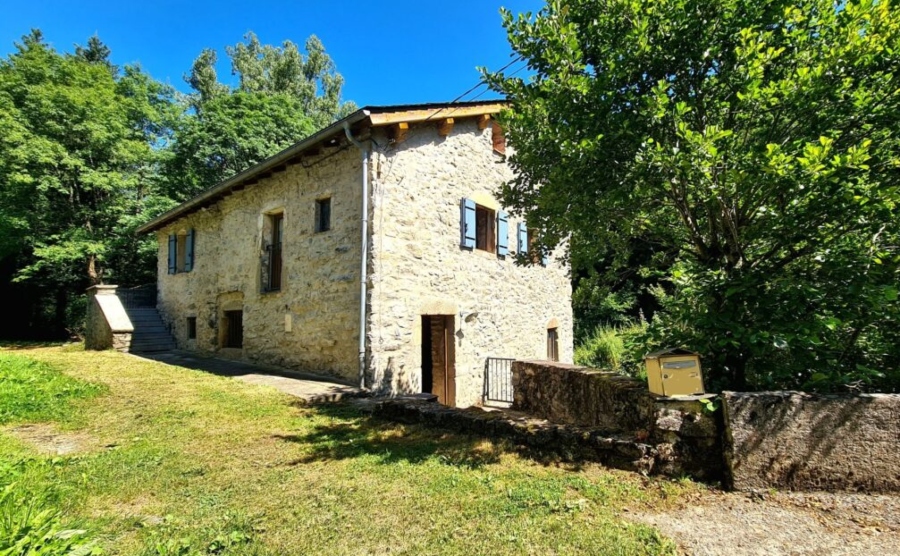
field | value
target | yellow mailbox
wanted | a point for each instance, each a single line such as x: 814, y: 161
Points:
x: 674, y: 372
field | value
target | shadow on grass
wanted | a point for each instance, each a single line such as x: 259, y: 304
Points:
x: 352, y: 435
x: 25, y: 345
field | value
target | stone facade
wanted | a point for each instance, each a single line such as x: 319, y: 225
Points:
x: 311, y: 323
x: 416, y: 266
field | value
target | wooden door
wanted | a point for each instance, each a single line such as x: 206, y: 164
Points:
x: 438, y: 357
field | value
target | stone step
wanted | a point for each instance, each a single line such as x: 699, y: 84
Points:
x: 153, y: 343
x: 144, y: 336
x: 150, y: 332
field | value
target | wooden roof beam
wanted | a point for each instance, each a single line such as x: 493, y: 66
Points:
x: 445, y: 127
x: 484, y: 120
x: 399, y: 131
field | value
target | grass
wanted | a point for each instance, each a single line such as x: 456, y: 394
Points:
x: 180, y: 462
x: 34, y: 391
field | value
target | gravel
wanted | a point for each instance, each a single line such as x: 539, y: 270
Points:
x: 771, y: 523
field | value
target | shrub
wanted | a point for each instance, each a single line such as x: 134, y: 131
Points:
x: 614, y: 348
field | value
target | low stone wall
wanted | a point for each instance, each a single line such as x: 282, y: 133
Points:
x: 685, y: 439
x: 758, y: 440
x: 812, y: 442
x: 107, y: 324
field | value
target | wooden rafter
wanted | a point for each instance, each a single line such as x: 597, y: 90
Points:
x: 484, y: 120
x: 445, y: 127
x: 399, y: 131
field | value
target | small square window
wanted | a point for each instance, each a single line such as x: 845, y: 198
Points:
x: 323, y: 215
x: 192, y: 328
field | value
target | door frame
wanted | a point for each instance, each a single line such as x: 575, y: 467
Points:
x: 441, y: 328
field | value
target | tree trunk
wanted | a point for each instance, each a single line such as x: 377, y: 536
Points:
x: 94, y: 276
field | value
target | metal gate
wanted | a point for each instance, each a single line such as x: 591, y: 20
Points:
x: 498, y: 380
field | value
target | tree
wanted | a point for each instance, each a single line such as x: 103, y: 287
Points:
x: 282, y: 96
x: 77, y: 165
x: 754, y: 142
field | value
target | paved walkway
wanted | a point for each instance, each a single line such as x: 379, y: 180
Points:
x: 310, y: 388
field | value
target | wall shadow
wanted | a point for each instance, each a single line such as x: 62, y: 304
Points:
x: 354, y: 435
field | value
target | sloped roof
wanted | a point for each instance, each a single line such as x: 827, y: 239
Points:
x: 359, y: 122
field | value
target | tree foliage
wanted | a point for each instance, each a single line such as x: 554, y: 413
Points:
x: 754, y: 144
x: 76, y: 162
x: 281, y: 97
x: 90, y: 150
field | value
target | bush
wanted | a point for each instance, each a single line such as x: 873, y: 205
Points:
x: 614, y: 348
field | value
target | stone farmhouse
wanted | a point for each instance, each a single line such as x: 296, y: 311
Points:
x: 374, y: 251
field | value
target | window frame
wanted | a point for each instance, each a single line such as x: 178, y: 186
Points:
x: 553, y: 344
x: 323, y: 215
x: 485, y: 229
x: 274, y: 277
x: 181, y: 251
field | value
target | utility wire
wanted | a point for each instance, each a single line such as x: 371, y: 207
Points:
x: 477, y: 85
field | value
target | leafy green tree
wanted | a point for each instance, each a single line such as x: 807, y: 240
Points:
x: 282, y: 96
x: 755, y: 143
x: 77, y: 166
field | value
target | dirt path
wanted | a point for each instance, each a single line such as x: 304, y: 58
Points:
x: 739, y: 524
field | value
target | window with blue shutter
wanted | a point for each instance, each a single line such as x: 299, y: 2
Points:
x: 173, y: 242
x: 467, y: 223
x: 189, y: 251
x: 522, y: 235
x: 502, y: 233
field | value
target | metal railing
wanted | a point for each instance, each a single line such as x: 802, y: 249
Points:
x: 138, y: 297
x: 498, y: 380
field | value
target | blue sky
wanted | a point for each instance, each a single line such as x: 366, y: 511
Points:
x: 401, y: 51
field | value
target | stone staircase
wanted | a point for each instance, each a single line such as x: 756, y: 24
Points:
x: 150, y: 333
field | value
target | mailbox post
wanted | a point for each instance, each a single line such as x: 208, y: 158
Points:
x: 674, y: 372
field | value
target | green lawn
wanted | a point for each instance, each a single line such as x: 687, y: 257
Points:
x: 170, y: 461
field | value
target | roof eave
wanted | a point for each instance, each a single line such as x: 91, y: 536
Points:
x: 376, y: 115
x: 267, y: 164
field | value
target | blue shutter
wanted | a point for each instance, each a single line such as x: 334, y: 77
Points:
x: 545, y: 259
x: 173, y: 246
x: 502, y: 233
x: 522, y: 234
x: 467, y: 223
x: 189, y: 251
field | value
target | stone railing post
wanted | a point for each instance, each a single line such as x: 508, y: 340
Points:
x: 107, y: 324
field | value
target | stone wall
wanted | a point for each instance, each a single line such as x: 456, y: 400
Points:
x: 684, y: 437
x: 418, y: 267
x: 312, y: 322
x: 107, y: 325
x: 759, y: 440
x: 811, y: 442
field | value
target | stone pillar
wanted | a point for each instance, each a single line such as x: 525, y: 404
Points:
x: 107, y: 324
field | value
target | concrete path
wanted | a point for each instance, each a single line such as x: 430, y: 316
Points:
x: 310, y: 388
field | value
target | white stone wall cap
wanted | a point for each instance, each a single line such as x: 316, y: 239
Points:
x: 114, y: 313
